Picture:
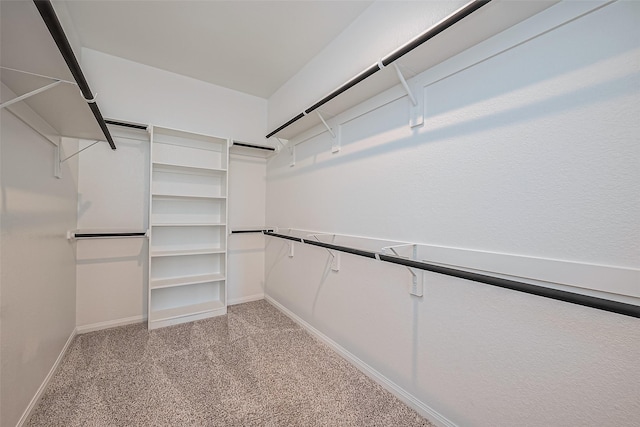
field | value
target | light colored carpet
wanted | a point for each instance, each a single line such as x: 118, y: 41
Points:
x: 251, y: 367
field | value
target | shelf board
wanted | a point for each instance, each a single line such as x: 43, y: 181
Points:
x: 171, y: 282
x: 30, y: 47
x: 486, y: 22
x: 251, y: 150
x: 187, y: 310
x: 178, y: 168
x: 186, y: 196
x: 184, y: 252
x: 183, y: 224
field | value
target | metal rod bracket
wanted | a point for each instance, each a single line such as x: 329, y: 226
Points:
x: 291, y: 249
x: 335, y: 147
x: 30, y: 94
x: 405, y: 85
x: 335, y: 255
x: 292, y: 150
x: 416, y: 112
x: 417, y: 276
x: 78, y: 152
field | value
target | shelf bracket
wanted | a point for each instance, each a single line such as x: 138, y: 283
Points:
x: 416, y: 116
x: 56, y: 162
x: 30, y: 94
x: 405, y: 85
x: 335, y: 256
x: 291, y: 148
x: 78, y: 152
x: 336, y: 139
x: 418, y: 277
x: 280, y: 145
x: 291, y: 249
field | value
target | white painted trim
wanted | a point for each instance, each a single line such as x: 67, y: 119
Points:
x: 36, y: 398
x: 83, y: 329
x: 406, y: 397
x: 249, y: 298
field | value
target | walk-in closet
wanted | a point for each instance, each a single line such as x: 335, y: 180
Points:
x: 320, y: 213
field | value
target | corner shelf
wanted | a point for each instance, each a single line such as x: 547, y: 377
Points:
x: 188, y: 232
x: 170, y: 282
x: 251, y: 150
x: 31, y: 59
x: 185, y: 252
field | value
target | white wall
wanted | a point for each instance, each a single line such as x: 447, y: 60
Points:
x: 247, y: 207
x: 113, y: 191
x: 143, y: 94
x: 532, y: 152
x: 37, y: 276
x: 113, y: 187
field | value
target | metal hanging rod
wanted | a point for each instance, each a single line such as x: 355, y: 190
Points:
x: 80, y: 235
x: 450, y: 20
x: 53, y: 24
x: 252, y: 231
x: 259, y: 147
x: 570, y: 297
x: 125, y: 124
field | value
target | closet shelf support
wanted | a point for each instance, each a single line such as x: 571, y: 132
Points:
x: 48, y: 14
x: 403, y: 81
x: 79, y: 151
x: 30, y: 94
x: 335, y: 147
x: 333, y: 135
x: 335, y: 256
x: 418, y: 276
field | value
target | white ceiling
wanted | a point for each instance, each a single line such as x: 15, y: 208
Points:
x: 249, y: 46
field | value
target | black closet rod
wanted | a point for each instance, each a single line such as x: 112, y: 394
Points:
x: 125, y: 124
x: 398, y: 53
x: 570, y: 297
x: 97, y: 235
x: 53, y: 24
x: 251, y: 231
x: 259, y: 147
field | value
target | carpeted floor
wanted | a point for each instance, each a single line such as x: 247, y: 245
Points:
x: 251, y: 367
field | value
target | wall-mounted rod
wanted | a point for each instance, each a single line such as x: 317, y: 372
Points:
x: 53, y: 24
x: 258, y: 147
x: 450, y: 20
x: 74, y: 235
x: 570, y: 297
x: 251, y: 231
x: 125, y: 124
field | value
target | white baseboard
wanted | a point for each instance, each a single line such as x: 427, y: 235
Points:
x: 36, y: 398
x: 110, y: 324
x: 406, y: 397
x: 249, y: 298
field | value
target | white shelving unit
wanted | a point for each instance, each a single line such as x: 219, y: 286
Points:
x: 188, y: 227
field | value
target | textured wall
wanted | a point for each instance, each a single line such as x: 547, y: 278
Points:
x: 532, y: 152
x: 247, y: 206
x: 38, y: 276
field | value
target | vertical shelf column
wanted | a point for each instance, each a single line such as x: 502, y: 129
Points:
x: 188, y: 227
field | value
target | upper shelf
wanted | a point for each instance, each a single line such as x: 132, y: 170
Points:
x: 250, y: 149
x: 28, y: 46
x: 437, y: 44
